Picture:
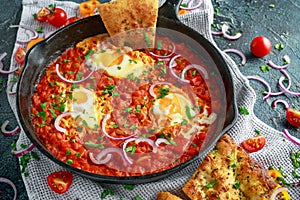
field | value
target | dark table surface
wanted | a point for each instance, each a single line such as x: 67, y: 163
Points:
x: 276, y: 19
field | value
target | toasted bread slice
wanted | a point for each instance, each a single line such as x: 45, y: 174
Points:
x: 228, y: 172
x: 123, y: 15
x: 167, y: 196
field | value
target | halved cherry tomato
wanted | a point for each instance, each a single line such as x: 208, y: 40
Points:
x: 20, y: 55
x: 60, y: 181
x: 41, y: 16
x: 254, y: 144
x: 57, y: 17
x: 72, y: 19
x: 260, y: 46
x: 293, y: 117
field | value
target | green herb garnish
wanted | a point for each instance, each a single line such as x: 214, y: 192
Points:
x: 163, y: 92
x: 210, y: 185
x: 95, y: 145
x: 243, y: 110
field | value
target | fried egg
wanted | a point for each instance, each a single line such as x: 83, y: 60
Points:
x: 117, y: 63
x: 83, y: 104
x: 172, y: 109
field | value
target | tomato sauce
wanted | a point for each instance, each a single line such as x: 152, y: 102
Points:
x: 130, y: 105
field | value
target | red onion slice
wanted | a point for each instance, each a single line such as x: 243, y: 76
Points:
x: 57, y: 121
x: 99, y: 160
x: 2, y: 71
x: 284, y: 102
x: 9, y: 182
x: 9, y: 88
x: 149, y: 141
x: 171, y: 71
x: 189, y: 7
x: 103, y: 124
x: 286, y: 90
x: 151, y: 89
x: 288, y: 87
x: 286, y: 58
x: 264, y: 82
x: 216, y: 33
x: 238, y: 52
x: 199, y: 68
x: 161, y: 140
x: 29, y: 32
x: 225, y: 28
x: 166, y: 56
x: 9, y: 133
x: 137, y: 140
x: 23, y: 151
x: 72, y: 81
x: 290, y: 137
x: 2, y: 55
x: 124, y: 150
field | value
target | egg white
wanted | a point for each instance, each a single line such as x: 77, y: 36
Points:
x: 117, y: 63
x: 171, y: 109
x: 83, y: 104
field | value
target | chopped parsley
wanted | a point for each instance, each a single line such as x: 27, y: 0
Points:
x: 163, y: 92
x: 271, y: 5
x: 237, y: 185
x: 133, y: 127
x: 163, y: 71
x: 130, y: 149
x: 107, y: 192
x: 265, y: 68
x: 210, y: 185
x: 257, y: 131
x: 132, y: 61
x: 95, y: 145
x: 127, y: 110
x: 68, y: 152
x: 69, y: 162
x: 279, y: 47
x: 90, y: 51
x: 39, y: 29
x: 147, y: 40
x: 188, y: 112
x: 184, y: 122
x: 130, y: 76
x: 129, y: 187
x: 159, y: 44
x: 138, y: 109
x: 243, y: 110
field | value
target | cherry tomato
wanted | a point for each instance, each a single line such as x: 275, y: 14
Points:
x: 42, y: 15
x: 57, y: 17
x: 293, y: 117
x: 260, y: 46
x: 71, y: 20
x: 254, y: 144
x: 20, y: 55
x: 60, y: 181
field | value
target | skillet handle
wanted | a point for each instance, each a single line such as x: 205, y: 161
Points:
x: 170, y: 9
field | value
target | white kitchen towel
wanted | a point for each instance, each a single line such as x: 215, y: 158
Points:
x: 276, y: 151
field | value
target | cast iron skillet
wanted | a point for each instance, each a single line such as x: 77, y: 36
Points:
x: 45, y: 52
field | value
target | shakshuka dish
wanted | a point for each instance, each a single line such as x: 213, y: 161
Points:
x: 119, y: 111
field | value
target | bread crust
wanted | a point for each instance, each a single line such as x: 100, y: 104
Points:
x: 167, y: 196
x: 235, y: 174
